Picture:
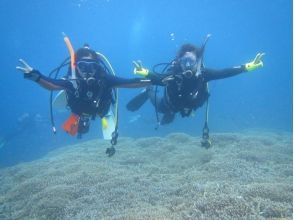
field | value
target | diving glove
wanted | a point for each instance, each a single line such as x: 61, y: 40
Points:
x: 256, y: 63
x: 139, y: 70
x: 155, y: 78
x: 29, y: 72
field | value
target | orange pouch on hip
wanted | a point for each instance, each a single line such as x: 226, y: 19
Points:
x: 72, y: 124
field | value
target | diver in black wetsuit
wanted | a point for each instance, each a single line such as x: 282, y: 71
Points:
x: 185, y: 83
x: 88, y: 96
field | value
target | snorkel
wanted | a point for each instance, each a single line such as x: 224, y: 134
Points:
x: 200, y: 59
x: 72, y: 59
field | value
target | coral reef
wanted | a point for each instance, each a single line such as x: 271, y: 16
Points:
x: 243, y: 176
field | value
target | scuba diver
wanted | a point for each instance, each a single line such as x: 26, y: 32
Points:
x: 185, y: 82
x: 89, y: 88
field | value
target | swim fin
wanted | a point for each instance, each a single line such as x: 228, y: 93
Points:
x: 138, y: 101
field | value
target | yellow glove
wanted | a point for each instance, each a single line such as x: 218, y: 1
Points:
x: 256, y: 63
x: 139, y: 70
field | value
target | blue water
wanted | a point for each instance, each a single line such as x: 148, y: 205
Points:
x: 151, y: 31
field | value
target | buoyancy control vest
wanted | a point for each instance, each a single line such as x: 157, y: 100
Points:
x: 186, y: 94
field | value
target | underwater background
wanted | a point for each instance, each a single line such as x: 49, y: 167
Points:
x: 151, y: 32
x: 241, y: 107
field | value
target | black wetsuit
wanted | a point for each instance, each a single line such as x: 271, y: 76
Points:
x: 184, y: 94
x: 95, y: 98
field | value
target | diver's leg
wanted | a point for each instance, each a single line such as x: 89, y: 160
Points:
x: 162, y: 107
x: 135, y: 103
x: 156, y: 101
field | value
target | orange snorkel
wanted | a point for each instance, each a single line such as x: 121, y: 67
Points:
x: 71, y: 125
x: 72, y: 59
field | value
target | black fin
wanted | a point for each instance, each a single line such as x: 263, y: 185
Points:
x: 138, y: 101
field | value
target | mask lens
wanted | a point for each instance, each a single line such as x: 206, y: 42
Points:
x: 187, y: 63
x: 88, y: 67
x: 82, y: 66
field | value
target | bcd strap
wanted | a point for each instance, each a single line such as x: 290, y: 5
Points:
x: 114, y: 137
x: 111, y: 150
x: 205, y: 131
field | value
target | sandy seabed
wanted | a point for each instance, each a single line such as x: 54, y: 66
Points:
x: 243, y: 176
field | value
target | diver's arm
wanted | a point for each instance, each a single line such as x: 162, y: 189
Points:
x: 53, y: 84
x: 257, y: 63
x: 118, y: 82
x: 151, y: 79
x: 36, y: 76
x: 156, y: 79
x: 212, y: 74
x: 46, y: 82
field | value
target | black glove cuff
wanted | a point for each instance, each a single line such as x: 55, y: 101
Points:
x: 34, y: 75
x: 243, y: 67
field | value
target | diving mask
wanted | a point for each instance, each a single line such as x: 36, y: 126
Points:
x: 87, y: 68
x: 188, y: 61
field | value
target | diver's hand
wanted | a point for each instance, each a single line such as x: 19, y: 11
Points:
x: 256, y: 63
x: 25, y: 68
x: 28, y: 71
x: 139, y: 70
